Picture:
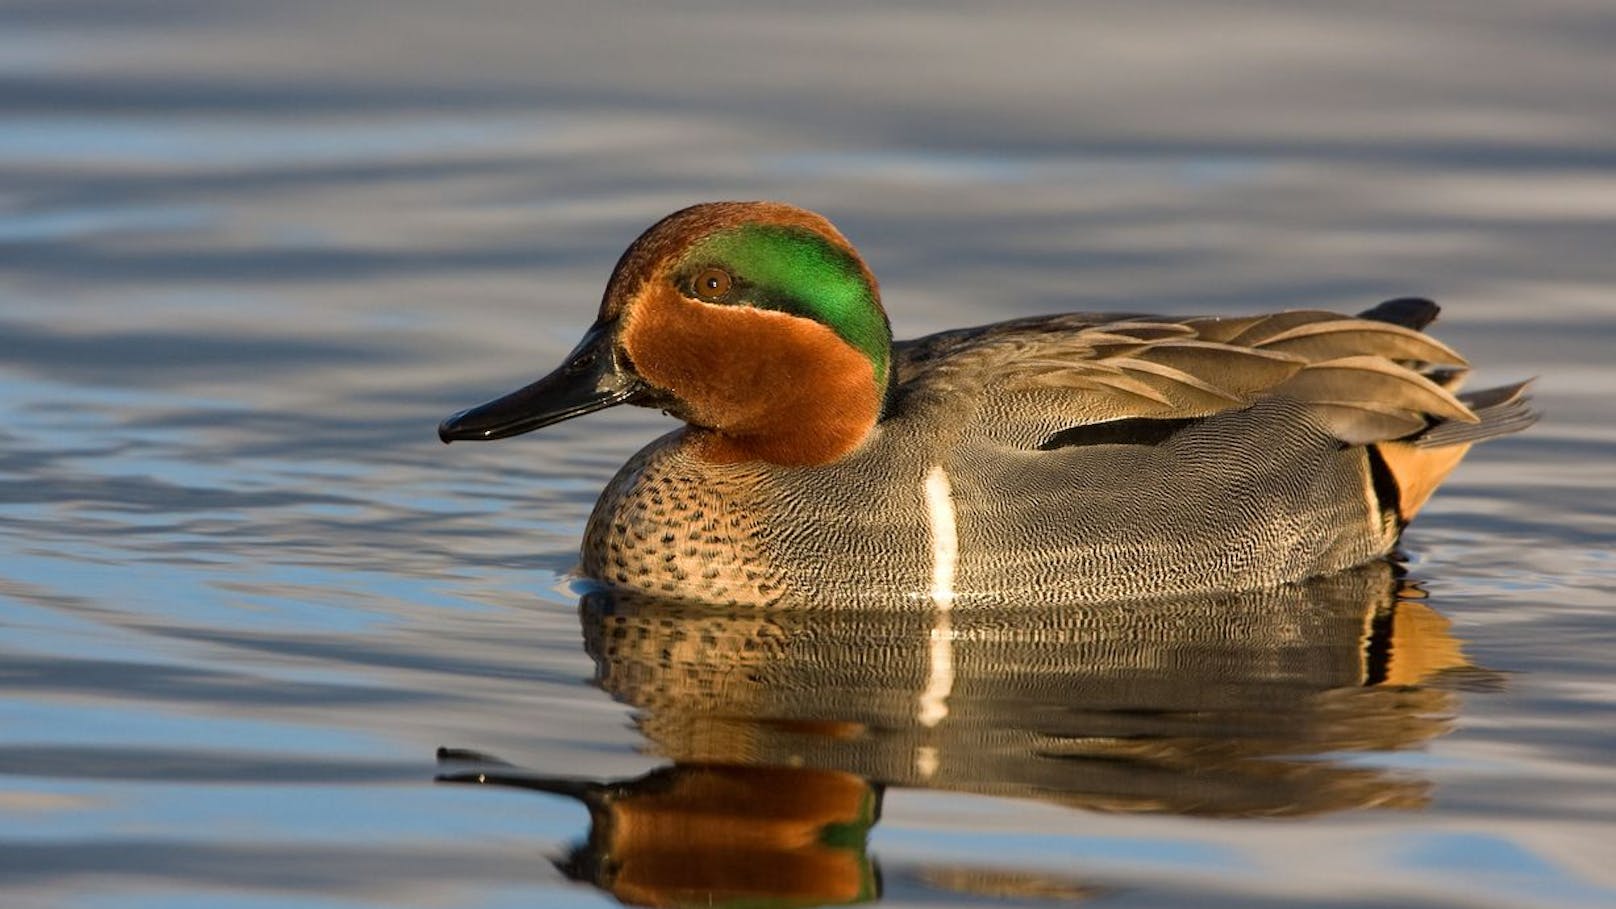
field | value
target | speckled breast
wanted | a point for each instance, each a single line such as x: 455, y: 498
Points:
x: 676, y: 525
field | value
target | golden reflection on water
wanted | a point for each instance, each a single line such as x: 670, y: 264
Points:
x: 785, y: 728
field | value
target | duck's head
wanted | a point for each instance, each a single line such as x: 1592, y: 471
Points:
x: 755, y: 322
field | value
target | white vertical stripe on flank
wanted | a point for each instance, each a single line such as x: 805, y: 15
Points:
x: 944, y: 536
x: 944, y: 559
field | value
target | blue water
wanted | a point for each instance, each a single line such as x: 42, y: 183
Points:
x: 250, y: 254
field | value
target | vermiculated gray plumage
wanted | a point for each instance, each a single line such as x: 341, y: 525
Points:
x: 1088, y: 458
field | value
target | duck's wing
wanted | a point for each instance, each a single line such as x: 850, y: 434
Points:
x: 1047, y: 381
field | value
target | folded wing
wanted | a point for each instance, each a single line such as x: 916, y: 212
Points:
x: 1367, y: 378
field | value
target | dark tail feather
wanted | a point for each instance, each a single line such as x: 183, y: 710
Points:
x: 1409, y: 312
x: 1500, y: 411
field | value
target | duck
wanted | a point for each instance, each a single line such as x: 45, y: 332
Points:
x: 1079, y: 457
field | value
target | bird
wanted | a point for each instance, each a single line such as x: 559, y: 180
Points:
x: 1080, y: 457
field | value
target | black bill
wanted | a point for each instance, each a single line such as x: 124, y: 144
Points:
x: 591, y: 379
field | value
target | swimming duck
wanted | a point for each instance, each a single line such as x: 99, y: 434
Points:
x: 1077, y: 457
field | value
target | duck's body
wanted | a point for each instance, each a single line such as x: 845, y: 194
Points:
x: 1079, y: 457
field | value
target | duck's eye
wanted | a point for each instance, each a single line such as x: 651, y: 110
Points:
x: 713, y: 284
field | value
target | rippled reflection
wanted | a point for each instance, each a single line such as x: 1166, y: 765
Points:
x: 785, y: 728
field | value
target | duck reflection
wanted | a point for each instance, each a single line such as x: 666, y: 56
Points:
x: 785, y: 727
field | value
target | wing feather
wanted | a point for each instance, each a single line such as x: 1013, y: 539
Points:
x: 1195, y: 396
x: 1021, y: 381
x: 1237, y: 371
x: 1347, y: 337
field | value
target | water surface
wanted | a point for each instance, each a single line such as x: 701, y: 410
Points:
x: 250, y: 254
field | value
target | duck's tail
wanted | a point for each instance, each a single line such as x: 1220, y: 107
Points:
x: 1499, y: 412
x: 1411, y: 468
x: 1409, y: 312
x: 1416, y: 465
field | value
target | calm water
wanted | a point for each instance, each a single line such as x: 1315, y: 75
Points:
x: 251, y: 253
